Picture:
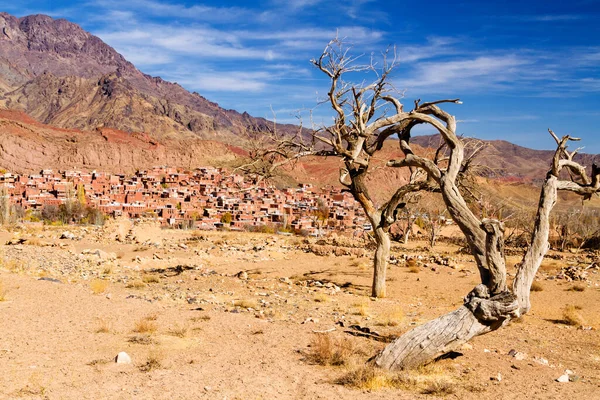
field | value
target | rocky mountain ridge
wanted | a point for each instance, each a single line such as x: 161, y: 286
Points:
x: 64, y: 76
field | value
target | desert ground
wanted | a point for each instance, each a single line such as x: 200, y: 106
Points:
x: 231, y: 315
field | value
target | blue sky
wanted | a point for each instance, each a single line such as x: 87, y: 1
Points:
x: 520, y: 67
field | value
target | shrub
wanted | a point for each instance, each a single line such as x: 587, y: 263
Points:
x: 145, y: 325
x: 98, y: 286
x: 571, y: 316
x: 325, y: 350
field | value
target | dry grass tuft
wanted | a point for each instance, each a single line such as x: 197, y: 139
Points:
x: 439, y: 387
x: 104, y: 326
x: 577, y: 288
x: 427, y: 380
x: 369, y: 378
x: 537, y: 286
x: 144, y: 339
x: 414, y: 269
x: 136, y: 285
x: 246, y: 303
x: 151, y: 279
x: 145, y: 325
x: 179, y: 331
x: 391, y: 317
x: 154, y: 361
x: 34, y: 242
x: 200, y: 318
x: 321, y: 298
x: 361, y: 309
x: 325, y: 350
x: 571, y: 316
x: 98, y: 286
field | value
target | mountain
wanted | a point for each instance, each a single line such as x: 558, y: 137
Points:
x: 61, y: 75
x: 28, y: 146
x: 509, y: 161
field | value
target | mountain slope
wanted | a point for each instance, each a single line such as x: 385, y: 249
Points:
x: 510, y: 161
x: 99, y: 87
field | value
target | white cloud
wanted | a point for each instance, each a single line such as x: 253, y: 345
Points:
x: 467, y: 74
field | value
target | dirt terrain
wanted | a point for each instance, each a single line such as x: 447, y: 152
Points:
x: 227, y: 315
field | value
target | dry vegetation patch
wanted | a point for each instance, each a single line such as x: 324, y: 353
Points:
x: 572, y: 316
x: 153, y: 361
x: 98, y: 286
x: 427, y: 380
x: 146, y: 325
x: 327, y: 350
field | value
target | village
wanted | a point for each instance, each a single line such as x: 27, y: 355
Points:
x: 206, y: 198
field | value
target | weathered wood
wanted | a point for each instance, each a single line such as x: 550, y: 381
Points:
x: 382, y: 254
x: 490, y: 305
x: 479, y: 314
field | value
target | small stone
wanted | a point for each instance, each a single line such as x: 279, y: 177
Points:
x: 574, y: 378
x: 123, y: 358
x: 466, y: 346
x: 109, y: 296
x: 517, y: 355
x: 242, y: 275
x: 486, y: 351
x: 67, y: 235
x: 569, y: 372
x: 563, y: 378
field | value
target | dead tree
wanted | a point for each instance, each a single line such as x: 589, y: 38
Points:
x: 364, y: 117
x: 491, y: 304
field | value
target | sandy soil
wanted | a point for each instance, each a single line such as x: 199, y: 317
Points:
x: 212, y: 334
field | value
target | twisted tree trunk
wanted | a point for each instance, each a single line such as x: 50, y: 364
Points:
x: 478, y: 315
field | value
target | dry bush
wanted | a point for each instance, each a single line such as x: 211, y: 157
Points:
x: 137, y: 284
x: 321, y: 298
x: 154, y: 361
x: 15, y: 266
x: 428, y: 380
x: 571, y: 315
x: 246, y: 303
x: 325, y: 350
x: 145, y: 325
x: 391, y: 317
x: 151, y: 279
x: 411, y: 262
x: 369, y: 378
x: 179, y: 331
x: 361, y: 309
x: 144, y: 339
x: 200, y: 318
x: 577, y: 288
x: 537, y: 286
x: 98, y: 286
x: 34, y: 242
x: 104, y: 326
x: 439, y: 387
